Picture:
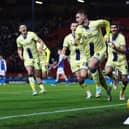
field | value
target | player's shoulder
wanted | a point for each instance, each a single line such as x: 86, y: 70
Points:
x: 30, y: 33
x: 97, y: 21
x: 80, y: 26
x: 121, y: 35
x: 68, y: 36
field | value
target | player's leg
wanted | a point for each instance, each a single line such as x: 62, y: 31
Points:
x: 82, y: 83
x: 116, y: 79
x: 44, y: 74
x: 104, y: 85
x: 66, y: 78
x: 124, y: 72
x: 57, y: 77
x: 93, y: 66
x: 109, y: 69
x: 31, y: 79
x: 58, y: 73
x: 0, y: 79
x: 39, y: 81
x: 95, y: 77
x: 38, y: 76
x: 124, y: 85
x: 83, y: 76
x: 44, y: 71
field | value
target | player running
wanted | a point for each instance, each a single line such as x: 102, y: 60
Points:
x: 77, y: 58
x: 117, y: 58
x: 89, y: 33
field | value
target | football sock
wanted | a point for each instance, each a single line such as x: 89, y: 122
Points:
x: 32, y: 82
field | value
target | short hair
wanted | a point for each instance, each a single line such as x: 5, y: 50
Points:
x: 73, y: 21
x: 83, y: 11
x: 115, y: 23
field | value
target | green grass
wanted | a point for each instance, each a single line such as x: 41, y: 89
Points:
x: 16, y: 99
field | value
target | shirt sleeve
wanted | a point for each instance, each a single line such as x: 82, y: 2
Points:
x: 35, y: 37
x: 66, y: 42
x: 78, y: 33
x: 48, y: 54
x: 19, y: 45
x: 104, y: 23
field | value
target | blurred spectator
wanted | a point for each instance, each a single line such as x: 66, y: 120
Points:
x: 3, y: 69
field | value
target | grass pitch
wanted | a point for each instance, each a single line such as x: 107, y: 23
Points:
x: 62, y: 107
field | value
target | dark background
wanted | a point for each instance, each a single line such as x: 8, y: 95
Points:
x: 51, y: 22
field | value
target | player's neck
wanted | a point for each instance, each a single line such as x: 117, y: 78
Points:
x: 86, y: 22
x: 73, y: 33
x: 115, y: 34
x: 24, y: 35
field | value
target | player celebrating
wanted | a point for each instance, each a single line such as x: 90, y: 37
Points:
x: 77, y: 58
x: 44, y: 57
x: 79, y: 65
x: 27, y: 51
x: 89, y: 33
x: 116, y: 57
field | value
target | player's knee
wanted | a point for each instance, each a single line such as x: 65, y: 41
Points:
x: 44, y: 76
x: 124, y: 80
x: 93, y: 70
x: 109, y: 74
x: 30, y: 75
x: 81, y: 82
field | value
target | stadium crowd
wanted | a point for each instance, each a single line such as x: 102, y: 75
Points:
x: 52, y: 29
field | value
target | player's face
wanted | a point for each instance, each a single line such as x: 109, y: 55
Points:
x: 73, y: 26
x: 114, y: 29
x: 23, y: 29
x: 80, y: 18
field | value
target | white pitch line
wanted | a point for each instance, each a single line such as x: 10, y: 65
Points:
x: 60, y: 111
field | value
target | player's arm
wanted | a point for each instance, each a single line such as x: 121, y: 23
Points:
x: 40, y: 41
x: 65, y: 45
x: 5, y: 64
x: 20, y: 53
x: 64, y: 50
x: 37, y: 39
x: 106, y: 24
x: 122, y: 47
x: 19, y: 49
x: 56, y: 65
x: 78, y: 35
x: 62, y: 58
x: 48, y: 52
